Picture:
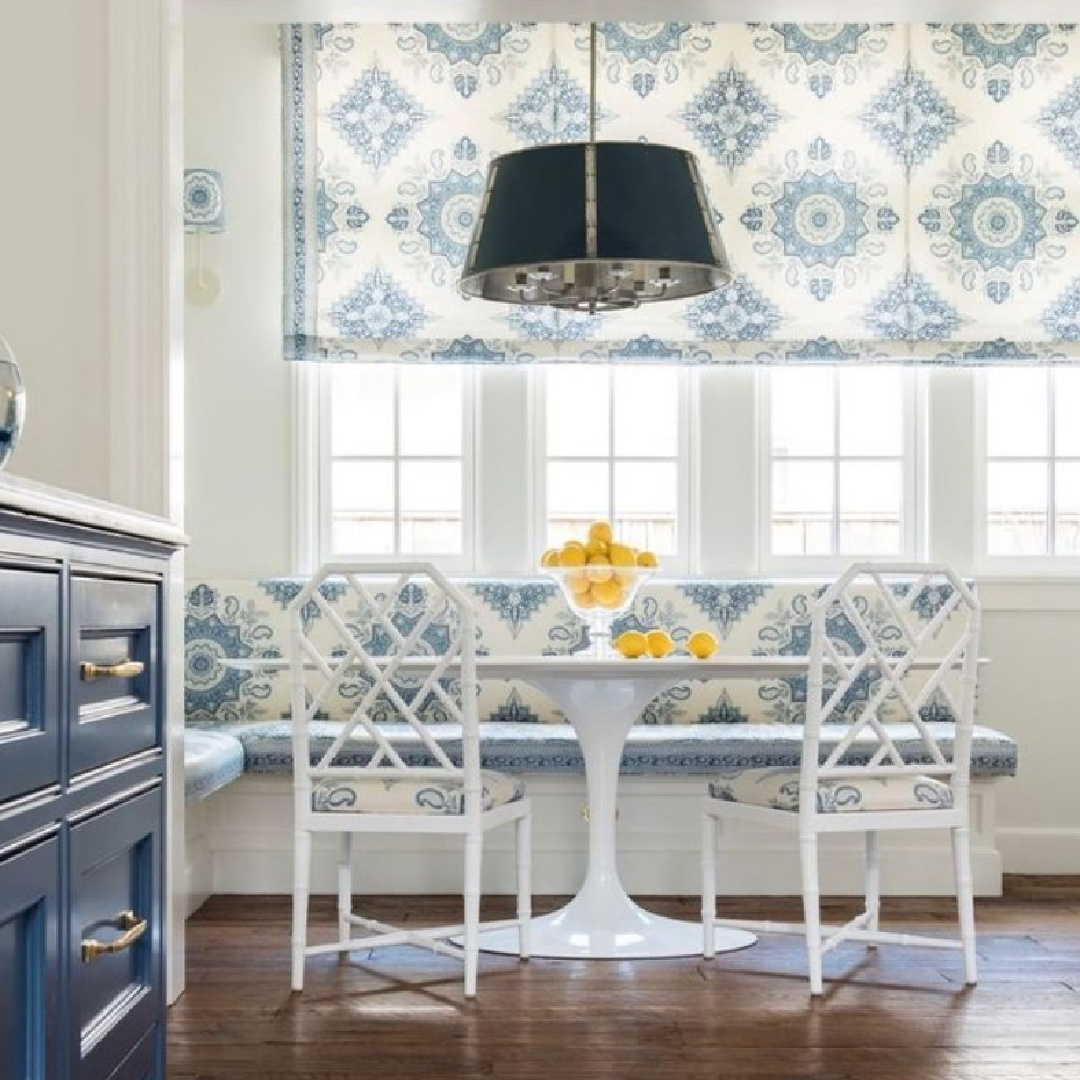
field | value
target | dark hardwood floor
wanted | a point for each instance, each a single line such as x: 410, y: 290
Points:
x: 893, y: 1014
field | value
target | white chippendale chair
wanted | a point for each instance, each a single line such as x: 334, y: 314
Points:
x: 362, y: 643
x: 886, y: 641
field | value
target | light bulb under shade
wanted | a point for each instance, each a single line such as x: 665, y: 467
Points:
x: 594, y: 226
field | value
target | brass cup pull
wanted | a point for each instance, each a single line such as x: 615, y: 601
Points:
x: 122, y: 669
x: 133, y: 928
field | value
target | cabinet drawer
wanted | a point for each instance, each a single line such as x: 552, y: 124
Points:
x: 29, y: 681
x: 29, y: 962
x: 115, y: 960
x: 114, y: 678
x: 143, y: 1063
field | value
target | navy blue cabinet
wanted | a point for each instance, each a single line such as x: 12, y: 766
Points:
x: 82, y: 771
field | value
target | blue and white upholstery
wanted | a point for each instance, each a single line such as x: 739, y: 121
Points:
x: 404, y: 649
x: 918, y: 660
x: 212, y: 760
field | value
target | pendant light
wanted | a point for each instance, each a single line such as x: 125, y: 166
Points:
x: 594, y: 226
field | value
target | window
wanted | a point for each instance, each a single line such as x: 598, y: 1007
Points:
x: 839, y: 472
x: 614, y: 449
x: 1032, y: 462
x: 396, y: 467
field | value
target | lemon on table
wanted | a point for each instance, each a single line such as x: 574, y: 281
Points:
x: 573, y: 554
x: 600, y: 530
x: 608, y: 594
x: 647, y: 558
x: 550, y: 557
x: 701, y: 644
x: 659, y: 643
x: 632, y: 644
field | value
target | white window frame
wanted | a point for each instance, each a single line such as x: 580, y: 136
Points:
x: 1021, y: 566
x: 913, y: 522
x: 313, y: 384
x: 683, y: 560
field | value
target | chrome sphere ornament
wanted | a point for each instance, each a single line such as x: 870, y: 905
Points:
x: 12, y: 403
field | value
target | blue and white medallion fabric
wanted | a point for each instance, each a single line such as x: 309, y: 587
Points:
x: 886, y: 192
x: 204, y: 201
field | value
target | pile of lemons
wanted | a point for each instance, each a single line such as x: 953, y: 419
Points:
x: 601, y: 570
x: 658, y: 643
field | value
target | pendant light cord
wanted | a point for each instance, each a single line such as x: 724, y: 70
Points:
x: 592, y: 82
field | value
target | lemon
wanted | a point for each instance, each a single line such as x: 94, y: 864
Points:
x: 620, y: 555
x: 632, y: 644
x: 646, y: 558
x: 701, y: 644
x: 596, y: 547
x: 600, y: 530
x: 585, y: 599
x: 578, y: 582
x: 573, y: 554
x: 550, y: 557
x: 659, y: 643
x: 608, y: 594
x: 599, y: 569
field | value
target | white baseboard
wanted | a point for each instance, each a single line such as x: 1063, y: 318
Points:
x: 1040, y: 851
x: 249, y: 848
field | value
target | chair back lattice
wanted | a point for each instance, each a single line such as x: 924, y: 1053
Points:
x: 892, y: 644
x: 399, y: 640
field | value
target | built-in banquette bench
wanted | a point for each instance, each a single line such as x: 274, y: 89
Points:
x: 238, y: 723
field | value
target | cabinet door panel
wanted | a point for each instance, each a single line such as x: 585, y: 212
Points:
x: 29, y: 681
x: 114, y: 712
x: 143, y: 1063
x: 29, y: 958
x: 115, y: 885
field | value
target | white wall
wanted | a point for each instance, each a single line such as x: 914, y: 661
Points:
x: 239, y: 467
x: 239, y: 415
x: 52, y: 235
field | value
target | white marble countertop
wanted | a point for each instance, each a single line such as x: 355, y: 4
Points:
x: 30, y: 497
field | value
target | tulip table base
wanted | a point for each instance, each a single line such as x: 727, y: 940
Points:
x: 602, y: 700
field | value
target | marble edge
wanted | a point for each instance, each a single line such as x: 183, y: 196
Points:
x: 43, y: 500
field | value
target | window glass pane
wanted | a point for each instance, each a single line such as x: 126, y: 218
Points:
x: 361, y: 409
x: 802, y: 412
x: 1067, y: 508
x: 577, y: 495
x: 578, y: 407
x: 430, y: 506
x: 362, y: 494
x: 1067, y: 412
x: 871, y: 411
x: 870, y: 500
x: 368, y: 537
x: 1016, y: 413
x: 646, y: 496
x: 1016, y: 508
x: 430, y: 410
x: 646, y: 409
x: 802, y: 510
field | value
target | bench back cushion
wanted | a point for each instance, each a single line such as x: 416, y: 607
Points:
x: 527, y: 617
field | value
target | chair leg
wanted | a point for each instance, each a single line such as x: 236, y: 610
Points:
x: 965, y: 900
x: 873, y: 883
x: 345, y: 860
x: 808, y: 852
x: 524, y: 884
x: 473, y: 853
x: 301, y: 888
x: 708, y: 884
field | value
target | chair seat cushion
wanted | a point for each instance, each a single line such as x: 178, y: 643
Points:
x: 778, y: 789
x: 375, y: 794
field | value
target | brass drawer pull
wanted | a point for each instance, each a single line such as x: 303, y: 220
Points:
x: 133, y: 928
x: 123, y: 669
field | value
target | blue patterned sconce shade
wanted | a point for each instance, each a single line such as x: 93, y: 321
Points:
x: 204, y: 201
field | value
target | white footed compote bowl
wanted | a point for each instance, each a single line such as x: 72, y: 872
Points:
x: 611, y: 592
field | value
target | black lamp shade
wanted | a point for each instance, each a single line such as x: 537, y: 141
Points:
x: 587, y: 217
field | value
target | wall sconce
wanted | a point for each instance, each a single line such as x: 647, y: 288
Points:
x: 204, y: 212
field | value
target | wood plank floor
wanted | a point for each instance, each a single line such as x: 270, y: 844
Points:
x: 893, y: 1014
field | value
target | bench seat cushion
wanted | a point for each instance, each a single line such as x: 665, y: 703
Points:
x: 651, y: 750
x: 408, y: 795
x: 212, y: 759
x: 779, y: 789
